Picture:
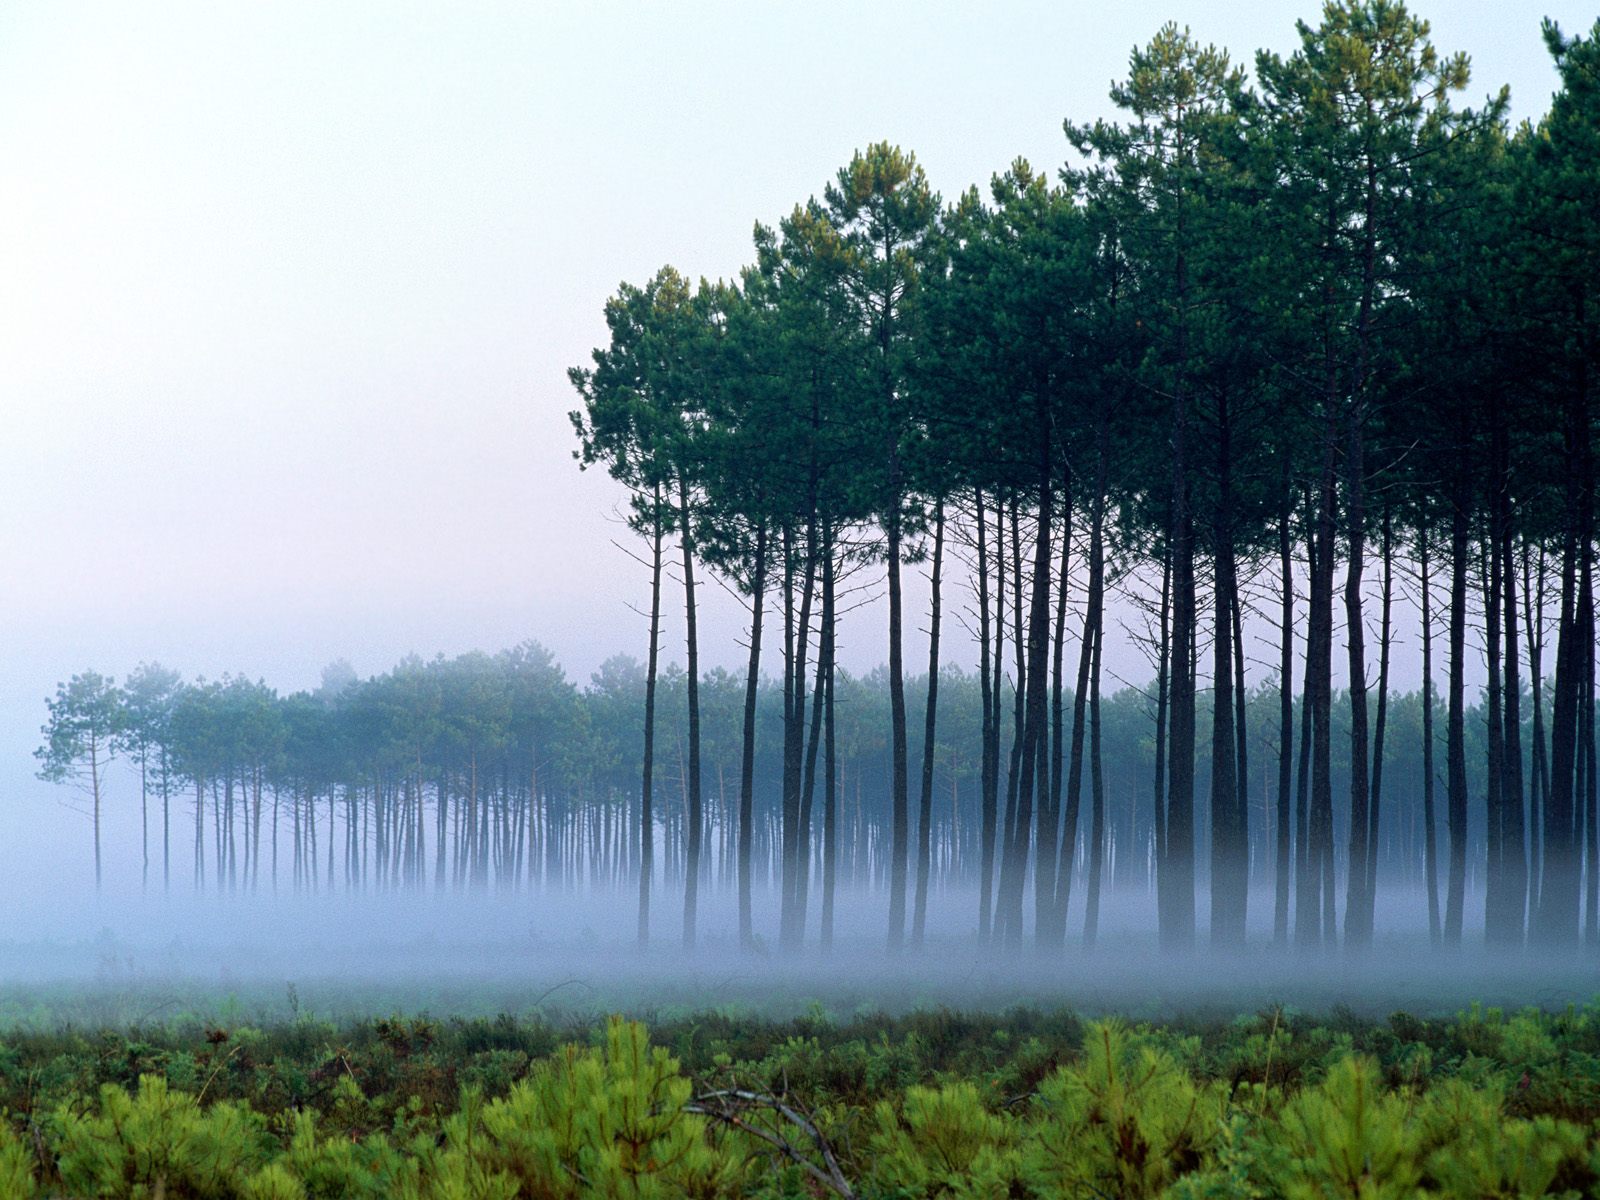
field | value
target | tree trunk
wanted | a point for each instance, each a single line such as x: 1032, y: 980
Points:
x: 647, y: 845
x: 919, y: 917
x: 830, y: 800
x: 989, y: 766
x: 691, y: 890
x: 1280, y: 906
x: 900, y: 851
x: 1228, y: 873
x: 1358, y: 907
x: 1430, y: 837
x: 1456, y: 749
x: 1513, y: 844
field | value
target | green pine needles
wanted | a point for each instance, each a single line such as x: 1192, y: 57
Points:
x: 927, y: 1107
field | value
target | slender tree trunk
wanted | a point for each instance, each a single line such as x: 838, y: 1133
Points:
x: 1358, y: 907
x: 1381, y: 722
x: 166, y: 827
x: 1280, y: 907
x: 1008, y: 837
x: 1228, y: 873
x: 1430, y: 824
x: 647, y: 842
x: 1097, y: 787
x: 1319, y: 694
x: 1494, y: 774
x: 802, y: 883
x: 900, y: 783
x: 1055, y: 920
x: 989, y: 766
x: 1539, y: 776
x: 144, y: 817
x: 919, y: 918
x: 1241, y: 730
x: 1456, y: 748
x: 1589, y: 770
x: 797, y: 640
x: 1163, y: 693
x: 691, y: 890
x: 1036, y: 688
x: 830, y: 799
x: 94, y: 790
x: 1513, y: 845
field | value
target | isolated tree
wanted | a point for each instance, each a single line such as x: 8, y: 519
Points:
x: 80, y: 740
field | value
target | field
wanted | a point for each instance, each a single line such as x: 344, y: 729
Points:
x: 928, y: 1102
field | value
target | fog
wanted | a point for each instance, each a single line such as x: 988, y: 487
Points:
x: 288, y: 302
x: 572, y: 956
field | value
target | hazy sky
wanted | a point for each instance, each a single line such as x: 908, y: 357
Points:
x: 288, y: 291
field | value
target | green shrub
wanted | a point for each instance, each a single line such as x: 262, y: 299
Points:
x: 1347, y: 1137
x: 942, y: 1142
x: 158, y: 1143
x: 1126, y: 1121
x: 609, y: 1122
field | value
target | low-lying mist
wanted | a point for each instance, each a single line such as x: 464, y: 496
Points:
x: 263, y: 958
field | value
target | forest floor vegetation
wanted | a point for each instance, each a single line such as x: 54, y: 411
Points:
x: 930, y: 1103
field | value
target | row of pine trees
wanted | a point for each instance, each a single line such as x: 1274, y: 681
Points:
x: 1313, y: 347
x: 496, y: 771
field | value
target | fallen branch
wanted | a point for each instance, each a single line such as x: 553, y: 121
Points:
x: 729, y: 1107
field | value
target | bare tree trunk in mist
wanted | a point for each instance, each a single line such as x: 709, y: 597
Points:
x: 1014, y: 871
x: 797, y: 641
x: 1074, y: 781
x: 1088, y: 692
x: 1319, y: 925
x: 1178, y: 925
x: 144, y: 818
x: 1008, y: 835
x: 1052, y: 920
x: 1513, y: 840
x: 802, y: 882
x: 1306, y: 916
x: 1558, y: 888
x: 1097, y: 786
x: 919, y: 918
x: 1046, y: 847
x: 199, y: 833
x: 166, y: 827
x: 1228, y: 873
x: 1358, y: 908
x: 1456, y: 750
x: 1380, y: 724
x: 1163, y: 691
x: 647, y: 837
x: 694, y: 816
x: 1241, y: 730
x: 830, y: 798
x: 1494, y: 905
x: 1539, y: 775
x: 990, y: 693
x: 1430, y: 836
x: 900, y: 784
x: 1590, y: 790
x: 1571, y: 735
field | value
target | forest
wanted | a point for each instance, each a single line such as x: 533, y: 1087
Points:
x: 1310, y: 350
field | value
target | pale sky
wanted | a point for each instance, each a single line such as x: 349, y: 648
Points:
x: 288, y: 291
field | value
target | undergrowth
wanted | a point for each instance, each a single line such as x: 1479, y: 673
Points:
x: 933, y: 1104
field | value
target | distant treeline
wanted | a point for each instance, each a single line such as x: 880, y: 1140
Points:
x: 498, y: 771
x: 1319, y: 344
